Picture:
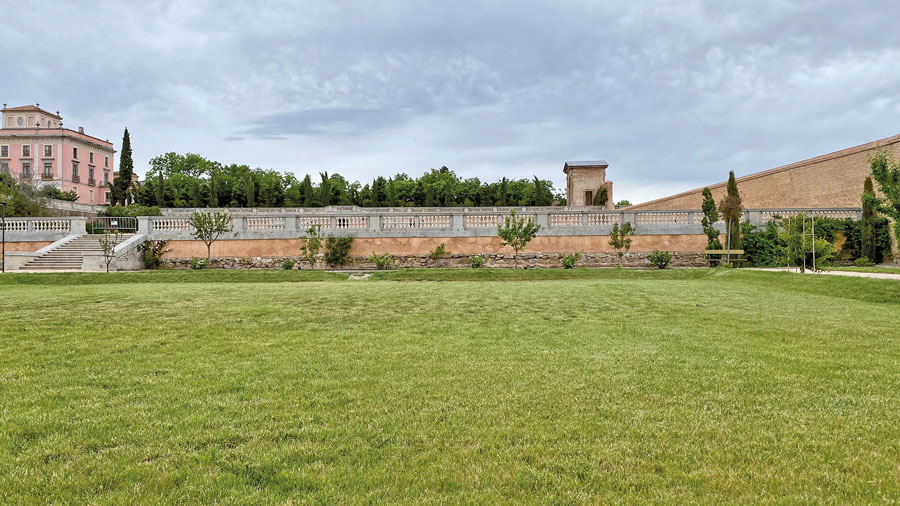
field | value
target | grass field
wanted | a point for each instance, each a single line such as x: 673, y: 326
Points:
x: 875, y: 269
x: 462, y: 386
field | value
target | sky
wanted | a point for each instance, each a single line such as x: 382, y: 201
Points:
x: 673, y: 94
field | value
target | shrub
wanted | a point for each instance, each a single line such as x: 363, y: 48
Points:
x: 198, y: 263
x: 660, y: 259
x: 287, y: 264
x: 337, y: 250
x: 151, y: 253
x: 133, y: 211
x: 382, y: 262
x: 863, y: 262
x: 620, y: 239
x: 209, y: 226
x: 476, y: 261
x: 517, y: 233
x: 310, y: 245
x: 438, y: 252
x: 762, y: 246
x: 601, y: 197
x: 569, y: 261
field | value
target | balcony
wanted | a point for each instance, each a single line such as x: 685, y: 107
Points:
x: 75, y: 178
x: 92, y: 182
x: 47, y: 177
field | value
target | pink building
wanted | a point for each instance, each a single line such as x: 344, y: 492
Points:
x: 35, y: 148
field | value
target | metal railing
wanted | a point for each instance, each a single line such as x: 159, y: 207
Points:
x: 101, y: 224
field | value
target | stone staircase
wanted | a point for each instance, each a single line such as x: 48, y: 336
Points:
x: 68, y: 256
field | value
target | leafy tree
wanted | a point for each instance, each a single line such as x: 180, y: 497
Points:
x: 623, y: 203
x: 429, y: 195
x: 620, y: 239
x: 517, y: 233
x: 21, y: 198
x: 310, y: 244
x: 108, y: 242
x: 732, y: 209
x: 601, y: 197
x: 868, y: 247
x: 308, y: 192
x: 886, y: 172
x: 250, y: 192
x: 208, y: 226
x: 324, y: 199
x: 213, y: 191
x: 799, y: 247
x: 337, y: 250
x: 122, y: 182
x: 392, y: 194
x: 710, y: 217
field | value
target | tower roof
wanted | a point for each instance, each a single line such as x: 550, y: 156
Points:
x: 598, y: 164
x: 30, y: 108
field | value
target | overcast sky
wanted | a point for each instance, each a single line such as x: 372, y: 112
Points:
x: 672, y: 94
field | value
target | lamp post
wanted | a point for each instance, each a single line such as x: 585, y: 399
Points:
x: 3, y: 231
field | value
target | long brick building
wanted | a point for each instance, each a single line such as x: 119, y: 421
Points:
x: 832, y: 180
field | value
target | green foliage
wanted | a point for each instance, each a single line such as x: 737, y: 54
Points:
x: 208, y: 226
x: 476, y: 261
x: 151, y: 253
x: 762, y: 245
x: 886, y: 172
x: 868, y: 247
x: 199, y: 264
x: 800, y: 248
x: 287, y: 264
x: 623, y: 203
x: 601, y: 197
x: 569, y: 261
x: 517, y: 233
x: 438, y: 252
x: 310, y: 244
x: 121, y: 185
x: 863, y: 262
x: 710, y: 217
x: 52, y: 192
x: 660, y: 259
x: 133, y: 211
x: 732, y: 210
x: 337, y: 250
x: 108, y: 243
x: 382, y: 262
x: 620, y: 239
x: 21, y: 199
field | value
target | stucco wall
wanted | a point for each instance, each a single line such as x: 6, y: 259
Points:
x: 832, y: 180
x: 422, y: 246
x: 25, y: 246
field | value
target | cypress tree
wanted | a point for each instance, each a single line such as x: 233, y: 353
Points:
x: 710, y: 217
x: 308, y: 192
x: 213, y: 191
x: 868, y: 248
x: 392, y: 194
x: 448, y: 195
x: 161, y: 190
x: 732, y: 209
x: 122, y: 182
x: 504, y: 190
x: 251, y: 192
x: 324, y: 190
x: 429, y: 195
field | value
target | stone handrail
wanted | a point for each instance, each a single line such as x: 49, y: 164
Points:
x: 453, y: 222
x: 43, y: 229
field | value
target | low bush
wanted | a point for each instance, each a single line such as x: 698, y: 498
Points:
x: 660, y: 259
x: 151, y: 253
x: 337, y: 250
x: 287, y: 264
x: 198, y: 263
x: 863, y: 262
x: 476, y: 261
x: 382, y: 262
x: 569, y: 261
x: 133, y: 211
x: 438, y: 252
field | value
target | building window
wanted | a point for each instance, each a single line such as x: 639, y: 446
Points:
x: 91, y: 176
x: 4, y: 151
x: 48, y: 170
x: 75, y: 171
x: 20, y: 121
x: 26, y: 151
x: 106, y: 177
x: 91, y: 157
x: 4, y: 167
x: 92, y: 195
x: 26, y: 170
x: 106, y: 197
x: 106, y: 161
x: 48, y: 150
x: 75, y: 153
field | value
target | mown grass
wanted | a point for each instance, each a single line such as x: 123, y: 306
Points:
x: 658, y: 386
x: 875, y: 269
x: 168, y: 276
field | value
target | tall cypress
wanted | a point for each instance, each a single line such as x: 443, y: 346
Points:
x: 122, y: 182
x: 308, y: 192
x: 324, y: 190
x: 213, y: 191
x: 868, y: 248
x: 251, y: 192
x: 710, y: 217
x: 732, y: 210
x: 429, y: 195
x: 392, y: 194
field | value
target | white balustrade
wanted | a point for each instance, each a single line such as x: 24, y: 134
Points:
x: 434, y: 221
x: 398, y: 222
x: 171, y: 224
x: 50, y: 225
x: 351, y: 222
x: 601, y: 220
x: 264, y: 223
x: 14, y: 225
x: 304, y: 222
x: 661, y: 218
x: 567, y: 220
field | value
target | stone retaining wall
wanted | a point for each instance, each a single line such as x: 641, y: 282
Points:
x: 551, y: 260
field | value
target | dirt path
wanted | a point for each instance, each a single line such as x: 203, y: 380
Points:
x: 873, y: 275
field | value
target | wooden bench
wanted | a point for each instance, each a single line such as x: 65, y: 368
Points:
x: 737, y: 256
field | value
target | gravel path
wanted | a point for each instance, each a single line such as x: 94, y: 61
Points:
x: 874, y: 275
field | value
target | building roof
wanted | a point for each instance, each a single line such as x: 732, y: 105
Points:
x: 600, y: 164
x: 30, y: 108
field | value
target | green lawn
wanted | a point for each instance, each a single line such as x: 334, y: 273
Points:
x: 876, y: 269
x: 539, y: 386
